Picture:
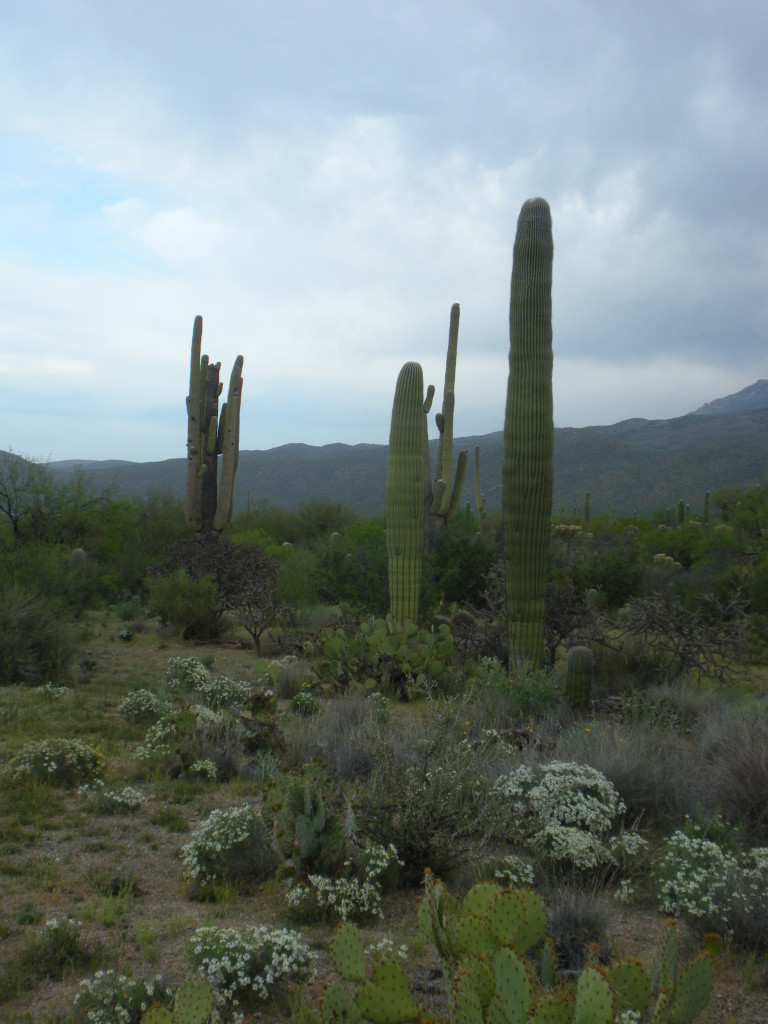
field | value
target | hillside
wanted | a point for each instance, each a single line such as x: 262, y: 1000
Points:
x: 635, y: 465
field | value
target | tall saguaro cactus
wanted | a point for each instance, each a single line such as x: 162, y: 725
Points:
x: 211, y: 433
x: 405, y: 494
x: 528, y: 434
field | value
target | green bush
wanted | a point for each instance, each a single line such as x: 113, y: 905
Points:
x: 60, y: 762
x: 36, y: 645
x: 191, y: 605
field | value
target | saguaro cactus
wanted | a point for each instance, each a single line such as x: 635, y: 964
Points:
x: 528, y: 434
x: 447, y: 490
x: 210, y: 434
x: 405, y: 494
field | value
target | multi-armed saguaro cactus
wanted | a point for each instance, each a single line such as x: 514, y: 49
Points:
x: 405, y: 494
x: 529, y: 434
x: 210, y: 434
x: 446, y: 498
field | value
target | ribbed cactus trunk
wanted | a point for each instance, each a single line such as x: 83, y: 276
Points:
x: 211, y: 433
x: 528, y: 435
x: 405, y: 495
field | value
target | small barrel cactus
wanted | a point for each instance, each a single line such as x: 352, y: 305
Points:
x: 579, y: 670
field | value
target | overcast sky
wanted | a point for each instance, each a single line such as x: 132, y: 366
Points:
x: 321, y: 179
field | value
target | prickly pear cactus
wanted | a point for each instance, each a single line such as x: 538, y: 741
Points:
x: 193, y: 1004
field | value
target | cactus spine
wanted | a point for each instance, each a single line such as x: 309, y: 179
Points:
x: 404, y: 495
x: 528, y: 434
x: 211, y: 433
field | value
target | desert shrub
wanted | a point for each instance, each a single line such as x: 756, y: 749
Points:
x: 456, y: 564
x: 192, y: 605
x: 143, y: 706
x: 230, y: 845
x: 569, y: 816
x: 57, y: 947
x: 713, y: 888
x: 59, y: 762
x: 36, y: 644
x: 246, y: 965
x: 119, y: 801
x: 305, y: 704
x: 343, y: 734
x: 107, y: 998
x: 428, y: 795
x: 235, y: 578
x: 355, y: 894
x: 185, y: 737
x: 733, y: 778
x: 222, y: 692
x: 185, y: 674
x: 577, y: 922
x: 650, y: 769
x: 352, y: 567
x: 502, y: 699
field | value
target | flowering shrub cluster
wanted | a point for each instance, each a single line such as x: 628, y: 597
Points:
x: 186, y: 674
x: 61, y: 762
x: 713, y: 888
x: 565, y: 813
x: 305, y: 704
x: 222, y: 692
x: 123, y: 801
x: 514, y: 872
x: 143, y: 706
x: 348, y: 896
x: 53, y: 692
x: 245, y: 964
x: 109, y: 998
x: 231, y: 844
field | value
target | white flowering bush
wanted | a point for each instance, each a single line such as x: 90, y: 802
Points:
x: 565, y: 814
x: 195, y: 734
x: 713, y: 888
x: 60, y: 762
x: 304, y: 704
x: 222, y: 692
x: 110, y: 998
x: 143, y: 706
x: 203, y: 769
x: 348, y: 896
x: 248, y: 964
x: 51, y: 692
x: 514, y: 872
x: 185, y: 674
x: 119, y: 801
x: 230, y: 845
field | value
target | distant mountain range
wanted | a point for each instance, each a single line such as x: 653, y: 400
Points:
x: 636, y: 465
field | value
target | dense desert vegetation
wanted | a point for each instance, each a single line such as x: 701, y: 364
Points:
x: 214, y: 752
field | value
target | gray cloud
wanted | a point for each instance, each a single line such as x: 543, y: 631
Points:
x: 322, y: 181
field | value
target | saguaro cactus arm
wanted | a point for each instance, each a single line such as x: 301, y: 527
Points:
x: 194, y: 429
x: 229, y: 445
x: 529, y: 434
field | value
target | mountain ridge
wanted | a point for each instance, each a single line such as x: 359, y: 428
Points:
x: 634, y: 465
